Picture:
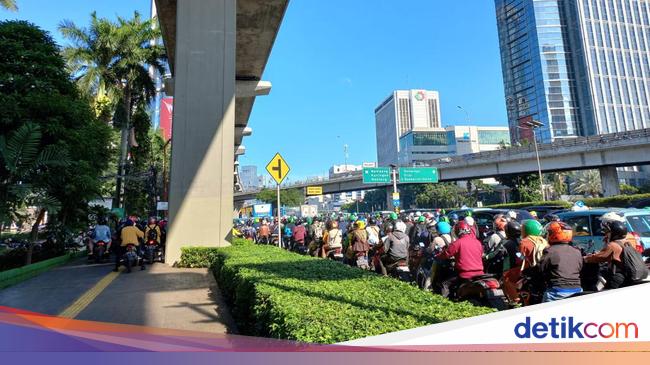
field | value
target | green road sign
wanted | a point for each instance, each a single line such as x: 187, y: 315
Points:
x: 376, y: 175
x: 418, y: 175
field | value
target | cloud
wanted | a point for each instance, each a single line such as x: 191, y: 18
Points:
x: 346, y: 81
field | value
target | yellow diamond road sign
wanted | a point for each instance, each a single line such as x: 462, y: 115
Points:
x: 278, y: 168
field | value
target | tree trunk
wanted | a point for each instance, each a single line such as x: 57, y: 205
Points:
x: 124, y: 149
x: 34, y: 236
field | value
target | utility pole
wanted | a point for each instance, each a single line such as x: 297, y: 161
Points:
x: 532, y: 126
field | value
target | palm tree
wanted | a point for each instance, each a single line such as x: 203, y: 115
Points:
x: 588, y: 183
x: 9, y: 5
x: 23, y: 159
x: 111, y: 61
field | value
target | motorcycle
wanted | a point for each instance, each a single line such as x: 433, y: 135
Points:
x: 152, y: 252
x: 399, y: 271
x: 130, y: 258
x: 99, y: 251
x: 416, y: 254
x: 336, y: 255
x: 483, y: 290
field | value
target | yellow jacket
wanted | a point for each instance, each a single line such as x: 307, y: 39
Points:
x: 130, y: 236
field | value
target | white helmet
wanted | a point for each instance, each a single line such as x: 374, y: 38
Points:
x: 612, y: 217
x: 400, y: 226
x: 512, y: 215
x: 469, y: 221
x: 418, y: 214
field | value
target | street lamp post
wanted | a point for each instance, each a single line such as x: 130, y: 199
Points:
x: 466, y: 114
x: 532, y: 126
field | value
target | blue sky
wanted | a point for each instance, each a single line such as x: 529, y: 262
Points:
x: 334, y: 61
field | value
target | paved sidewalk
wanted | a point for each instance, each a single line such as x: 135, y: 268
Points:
x: 160, y: 296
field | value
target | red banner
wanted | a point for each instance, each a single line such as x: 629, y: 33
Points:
x: 166, y: 117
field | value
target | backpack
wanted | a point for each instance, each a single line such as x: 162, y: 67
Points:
x: 634, y: 268
x: 373, y: 235
x: 318, y: 231
x: 421, y: 234
x: 153, y: 234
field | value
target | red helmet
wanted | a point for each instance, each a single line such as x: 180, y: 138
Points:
x: 559, y: 232
x: 462, y: 229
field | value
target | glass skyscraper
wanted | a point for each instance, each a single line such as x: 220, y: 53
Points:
x: 580, y: 67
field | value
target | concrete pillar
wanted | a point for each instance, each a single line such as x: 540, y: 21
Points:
x: 201, y: 187
x: 609, y: 181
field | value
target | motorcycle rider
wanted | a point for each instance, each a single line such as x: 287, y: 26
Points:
x: 442, y: 238
x: 511, y: 271
x: 373, y: 232
x: 359, y: 247
x: 299, y: 234
x: 561, y: 264
x: 131, y: 235
x: 532, y: 243
x: 396, y: 244
x: 152, y: 231
x: 468, y: 252
x: 102, y: 232
x: 420, y: 233
x: 615, y: 238
x: 390, y: 221
x: 332, y: 239
x: 264, y: 233
x: 495, y: 252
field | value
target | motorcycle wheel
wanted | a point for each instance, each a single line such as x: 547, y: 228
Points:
x: 498, y: 302
x: 128, y: 264
x: 150, y: 256
x: 99, y: 256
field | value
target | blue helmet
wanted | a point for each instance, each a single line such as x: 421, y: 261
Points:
x: 443, y: 228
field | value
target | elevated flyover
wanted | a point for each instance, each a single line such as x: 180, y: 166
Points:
x: 218, y: 50
x: 605, y: 153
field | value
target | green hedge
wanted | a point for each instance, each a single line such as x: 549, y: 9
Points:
x: 532, y: 204
x: 15, y: 276
x: 619, y: 201
x: 278, y: 294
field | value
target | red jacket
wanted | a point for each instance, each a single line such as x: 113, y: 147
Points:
x: 468, y: 252
x: 299, y: 234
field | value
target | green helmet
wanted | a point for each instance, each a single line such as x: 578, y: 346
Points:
x: 531, y: 227
x: 309, y: 220
x: 393, y: 216
x: 422, y: 219
x: 353, y: 218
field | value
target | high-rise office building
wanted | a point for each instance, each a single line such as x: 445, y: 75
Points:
x: 402, y: 112
x: 421, y: 147
x: 580, y: 67
x: 249, y: 178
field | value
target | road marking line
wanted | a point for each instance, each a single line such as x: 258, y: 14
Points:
x: 88, y: 297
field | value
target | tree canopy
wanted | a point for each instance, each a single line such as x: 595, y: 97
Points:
x: 37, y: 94
x: 288, y: 198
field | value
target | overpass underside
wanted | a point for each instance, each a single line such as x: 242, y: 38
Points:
x: 217, y: 50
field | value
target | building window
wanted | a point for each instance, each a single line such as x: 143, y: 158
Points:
x: 430, y: 139
x: 493, y: 137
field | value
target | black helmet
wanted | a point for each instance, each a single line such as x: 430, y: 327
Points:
x: 372, y: 221
x: 616, y: 229
x: 513, y: 230
x: 390, y: 228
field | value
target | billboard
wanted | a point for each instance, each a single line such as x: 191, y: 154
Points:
x: 261, y: 210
